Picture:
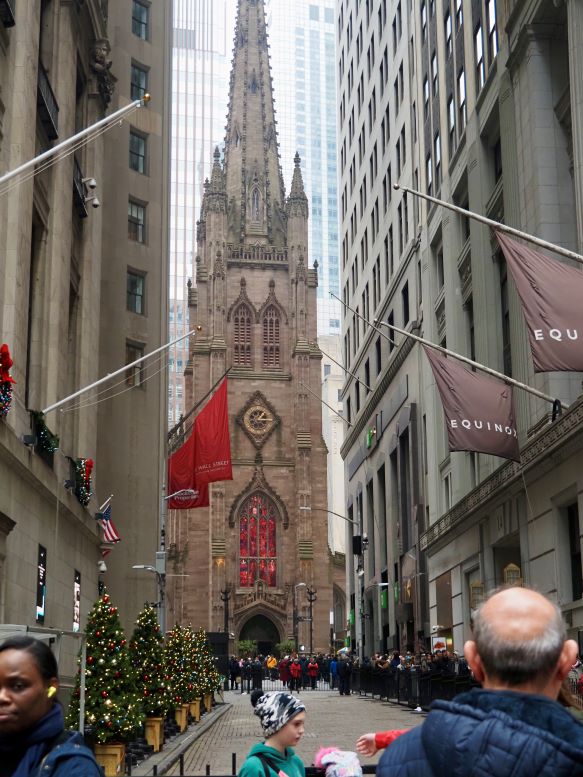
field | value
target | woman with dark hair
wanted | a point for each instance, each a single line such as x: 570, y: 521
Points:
x: 32, y: 736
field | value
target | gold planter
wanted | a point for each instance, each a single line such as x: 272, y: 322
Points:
x: 111, y: 757
x: 155, y: 733
x: 208, y: 701
x: 181, y: 716
x: 195, y: 710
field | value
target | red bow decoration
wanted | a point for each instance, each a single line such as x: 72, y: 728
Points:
x: 88, y: 470
x: 5, y: 364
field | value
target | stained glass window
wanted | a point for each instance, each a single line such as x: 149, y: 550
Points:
x: 242, y: 336
x: 271, y: 344
x: 257, y: 541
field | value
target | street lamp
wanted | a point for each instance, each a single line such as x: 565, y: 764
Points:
x: 295, y: 612
x: 312, y: 596
x: 160, y: 579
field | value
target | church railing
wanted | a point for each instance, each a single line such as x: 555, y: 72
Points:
x: 257, y: 253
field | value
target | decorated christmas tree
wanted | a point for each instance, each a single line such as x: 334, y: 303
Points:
x: 147, y: 659
x: 179, y: 665
x: 207, y: 675
x: 112, y: 706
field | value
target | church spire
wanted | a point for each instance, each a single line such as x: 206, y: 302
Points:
x: 297, y: 203
x: 254, y: 183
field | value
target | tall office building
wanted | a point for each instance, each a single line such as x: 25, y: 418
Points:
x: 478, y: 103
x: 303, y: 55
x: 201, y: 57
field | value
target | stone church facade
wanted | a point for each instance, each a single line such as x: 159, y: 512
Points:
x: 263, y: 541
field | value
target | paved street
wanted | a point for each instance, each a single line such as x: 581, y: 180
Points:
x: 330, y: 720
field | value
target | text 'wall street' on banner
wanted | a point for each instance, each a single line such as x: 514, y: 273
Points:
x: 204, y: 458
x: 479, y: 410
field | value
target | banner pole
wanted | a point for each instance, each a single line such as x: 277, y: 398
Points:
x: 325, y: 403
x: 494, y: 224
x: 500, y: 375
x: 73, y: 139
x: 111, y: 375
x: 342, y: 367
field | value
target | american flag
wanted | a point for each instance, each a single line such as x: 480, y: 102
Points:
x: 110, y: 533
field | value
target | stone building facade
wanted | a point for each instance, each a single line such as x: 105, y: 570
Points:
x: 264, y: 538
x: 478, y: 103
x: 62, y: 68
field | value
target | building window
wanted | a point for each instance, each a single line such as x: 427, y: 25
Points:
x: 135, y: 374
x: 426, y: 98
x: 437, y: 157
x: 242, y: 337
x: 405, y: 301
x: 135, y: 292
x: 429, y: 174
x: 327, y: 370
x: 434, y: 78
x: 459, y: 15
x: 479, y: 52
x: 575, y: 551
x: 140, y: 13
x: 451, y: 125
x: 139, y: 82
x: 314, y: 13
x: 378, y: 354
x: 271, y: 338
x: 258, y: 518
x: 391, y: 323
x: 492, y: 30
x: 136, y: 222
x: 138, y: 145
x: 423, y: 20
x: 448, y: 35
x: 506, y: 348
x: 461, y: 93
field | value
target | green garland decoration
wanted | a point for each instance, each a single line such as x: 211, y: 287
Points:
x: 5, y: 398
x: 45, y: 440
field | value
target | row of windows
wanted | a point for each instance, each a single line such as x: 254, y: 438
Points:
x: 242, y: 337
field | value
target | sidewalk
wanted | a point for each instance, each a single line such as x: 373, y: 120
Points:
x: 179, y: 744
x: 331, y: 719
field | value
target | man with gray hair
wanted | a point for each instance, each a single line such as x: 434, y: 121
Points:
x: 513, y: 726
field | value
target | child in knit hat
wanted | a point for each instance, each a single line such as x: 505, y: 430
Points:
x: 282, y: 719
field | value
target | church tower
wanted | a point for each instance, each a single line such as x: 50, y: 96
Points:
x: 263, y: 540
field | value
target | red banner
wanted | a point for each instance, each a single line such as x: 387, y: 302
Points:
x: 479, y: 410
x: 551, y: 293
x: 187, y: 496
x: 212, y: 446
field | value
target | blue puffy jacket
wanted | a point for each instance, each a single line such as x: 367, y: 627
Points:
x: 70, y: 759
x: 489, y: 734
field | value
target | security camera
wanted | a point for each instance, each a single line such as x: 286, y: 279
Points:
x: 91, y: 183
x: 101, y: 567
x: 96, y: 203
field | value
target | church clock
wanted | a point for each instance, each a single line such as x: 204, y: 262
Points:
x: 258, y: 420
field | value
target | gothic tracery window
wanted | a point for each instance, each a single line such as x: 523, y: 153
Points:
x: 271, y: 338
x: 242, y: 336
x: 255, y: 205
x: 257, y: 541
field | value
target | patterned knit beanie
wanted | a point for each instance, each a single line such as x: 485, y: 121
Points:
x: 275, y: 709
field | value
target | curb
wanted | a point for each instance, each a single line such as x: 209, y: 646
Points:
x: 166, y: 759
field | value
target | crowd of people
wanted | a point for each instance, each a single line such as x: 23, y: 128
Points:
x: 296, y: 671
x: 521, y: 722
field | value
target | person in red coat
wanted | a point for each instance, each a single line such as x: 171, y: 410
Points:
x: 283, y: 668
x: 295, y: 670
x: 313, y: 670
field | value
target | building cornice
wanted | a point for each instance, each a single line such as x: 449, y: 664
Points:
x: 554, y: 442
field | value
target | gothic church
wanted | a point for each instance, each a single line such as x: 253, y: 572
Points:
x: 262, y: 543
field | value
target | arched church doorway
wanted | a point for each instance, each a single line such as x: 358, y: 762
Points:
x: 262, y: 630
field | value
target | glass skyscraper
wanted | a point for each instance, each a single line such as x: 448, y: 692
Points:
x: 203, y: 33
x: 303, y: 58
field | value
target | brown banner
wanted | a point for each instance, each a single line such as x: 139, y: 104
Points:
x: 551, y: 293
x: 479, y: 410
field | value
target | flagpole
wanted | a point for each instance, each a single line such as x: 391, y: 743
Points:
x: 107, y: 501
x: 325, y: 403
x: 111, y: 375
x: 453, y: 354
x: 73, y: 139
x: 494, y: 224
x: 342, y: 367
